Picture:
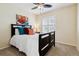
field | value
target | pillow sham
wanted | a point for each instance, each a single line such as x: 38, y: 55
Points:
x: 21, y: 30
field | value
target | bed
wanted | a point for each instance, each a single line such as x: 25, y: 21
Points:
x: 33, y: 45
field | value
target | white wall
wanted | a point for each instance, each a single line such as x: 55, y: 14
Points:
x: 7, y: 17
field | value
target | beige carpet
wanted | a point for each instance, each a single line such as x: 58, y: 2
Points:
x: 59, y: 50
x: 63, y: 50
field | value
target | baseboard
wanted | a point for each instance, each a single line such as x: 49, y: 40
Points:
x: 4, y: 47
x: 65, y: 43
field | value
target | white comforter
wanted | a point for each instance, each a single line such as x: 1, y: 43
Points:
x: 26, y: 43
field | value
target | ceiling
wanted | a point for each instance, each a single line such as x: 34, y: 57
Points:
x: 28, y: 6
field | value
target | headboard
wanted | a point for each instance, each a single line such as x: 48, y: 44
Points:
x: 13, y: 27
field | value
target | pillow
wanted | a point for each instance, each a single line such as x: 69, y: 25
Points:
x: 26, y: 30
x: 21, y: 19
x: 21, y: 30
x: 29, y: 26
x: 16, y: 32
x: 16, y: 29
x: 26, y: 23
x: 30, y: 31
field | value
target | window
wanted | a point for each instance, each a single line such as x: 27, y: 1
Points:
x: 48, y: 24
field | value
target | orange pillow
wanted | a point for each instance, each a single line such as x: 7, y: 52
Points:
x: 21, y: 19
x: 30, y: 31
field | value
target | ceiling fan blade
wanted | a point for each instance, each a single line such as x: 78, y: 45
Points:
x: 47, y: 5
x: 34, y: 7
x: 38, y: 3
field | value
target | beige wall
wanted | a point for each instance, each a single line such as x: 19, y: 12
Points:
x: 78, y: 27
x: 7, y: 17
x: 65, y: 23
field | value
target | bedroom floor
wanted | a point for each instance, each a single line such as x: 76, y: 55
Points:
x: 59, y: 50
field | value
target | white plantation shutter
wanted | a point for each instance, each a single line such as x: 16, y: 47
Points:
x: 48, y: 24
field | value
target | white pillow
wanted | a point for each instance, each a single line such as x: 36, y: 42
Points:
x: 16, y: 32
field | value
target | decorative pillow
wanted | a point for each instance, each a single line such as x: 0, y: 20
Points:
x: 30, y: 31
x: 26, y: 30
x: 28, y: 26
x: 21, y: 30
x: 26, y: 23
x: 21, y: 19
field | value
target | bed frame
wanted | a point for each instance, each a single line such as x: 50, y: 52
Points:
x: 46, y: 40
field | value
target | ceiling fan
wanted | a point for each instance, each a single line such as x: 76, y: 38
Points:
x: 41, y: 5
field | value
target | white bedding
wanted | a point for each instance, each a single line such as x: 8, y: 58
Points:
x: 28, y: 44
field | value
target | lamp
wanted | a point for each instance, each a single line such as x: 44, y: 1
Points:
x: 36, y: 28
